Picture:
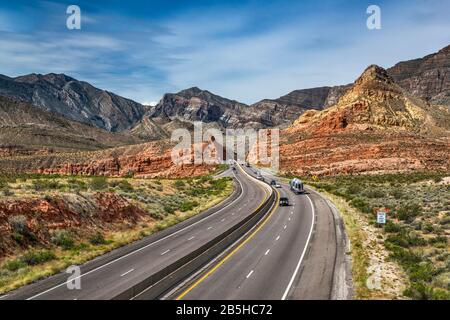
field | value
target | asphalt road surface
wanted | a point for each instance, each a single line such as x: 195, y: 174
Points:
x: 291, y: 255
x: 112, y: 274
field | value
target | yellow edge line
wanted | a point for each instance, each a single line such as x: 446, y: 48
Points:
x: 232, y: 252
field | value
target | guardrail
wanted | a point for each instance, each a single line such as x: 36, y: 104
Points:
x: 160, y: 282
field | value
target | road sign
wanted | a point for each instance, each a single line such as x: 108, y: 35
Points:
x: 381, y: 217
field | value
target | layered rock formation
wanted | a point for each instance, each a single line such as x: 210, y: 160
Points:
x: 376, y: 126
x: 427, y: 78
x: 148, y: 160
x: 41, y: 216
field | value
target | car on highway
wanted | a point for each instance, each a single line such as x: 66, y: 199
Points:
x: 275, y: 184
x: 297, y: 186
x: 284, y: 202
x: 260, y: 177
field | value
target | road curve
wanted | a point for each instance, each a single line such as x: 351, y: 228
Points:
x: 108, y: 276
x: 284, y: 259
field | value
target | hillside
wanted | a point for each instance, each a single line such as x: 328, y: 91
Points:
x: 375, y: 127
x: 73, y: 99
x: 25, y: 129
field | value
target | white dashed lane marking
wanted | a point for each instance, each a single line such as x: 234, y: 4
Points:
x: 165, y: 252
x: 267, y: 252
x: 125, y: 273
x: 249, y: 274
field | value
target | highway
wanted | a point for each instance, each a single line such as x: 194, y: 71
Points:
x: 290, y: 253
x: 108, y: 276
x: 268, y: 264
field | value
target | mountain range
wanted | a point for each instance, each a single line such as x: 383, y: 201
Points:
x: 73, y: 99
x: 399, y: 114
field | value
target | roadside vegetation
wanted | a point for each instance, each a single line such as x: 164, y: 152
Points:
x: 416, y: 235
x: 28, y: 254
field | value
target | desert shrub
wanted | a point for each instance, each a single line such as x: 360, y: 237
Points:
x: 354, y: 189
x: 361, y: 204
x: 169, y: 209
x: 76, y: 184
x: 419, y: 291
x: 188, y: 205
x: 397, y: 194
x: 98, y: 183
x: 179, y: 184
x: 440, y: 294
x: 427, y: 227
x: 438, y: 239
x: 404, y: 256
x: 7, y: 192
x: 406, y: 239
x: 407, y: 212
x: 374, y: 193
x: 97, y: 239
x: 392, y: 227
x: 18, y: 224
x: 35, y: 257
x: 42, y: 184
x: 14, y: 265
x: 125, y: 186
x: 63, y: 239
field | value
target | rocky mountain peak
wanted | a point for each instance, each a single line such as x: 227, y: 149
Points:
x: 374, y: 73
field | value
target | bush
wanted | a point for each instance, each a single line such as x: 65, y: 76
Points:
x: 18, y: 224
x: 97, y: 239
x: 361, y: 205
x: 374, y: 193
x: 98, y: 183
x: 169, y: 209
x: 41, y: 185
x: 63, y: 239
x: 408, y: 212
x: 14, y: 265
x: 419, y: 291
x: 179, y: 184
x: 354, y: 189
x: 392, y: 227
x: 438, y: 239
x: 125, y: 186
x: 405, y: 239
x: 188, y: 205
x: 35, y: 257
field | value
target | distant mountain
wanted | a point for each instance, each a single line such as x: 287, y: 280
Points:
x: 194, y: 104
x: 73, y: 99
x: 284, y: 110
x: 27, y: 129
x: 375, y: 102
x: 377, y: 126
x: 427, y: 78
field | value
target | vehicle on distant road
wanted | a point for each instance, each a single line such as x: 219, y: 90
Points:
x: 275, y: 184
x: 260, y: 177
x: 284, y: 202
x: 297, y: 186
x: 247, y: 164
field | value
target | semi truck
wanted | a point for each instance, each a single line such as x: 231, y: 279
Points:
x: 296, y: 186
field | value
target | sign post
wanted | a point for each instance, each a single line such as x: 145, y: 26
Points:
x: 381, y: 217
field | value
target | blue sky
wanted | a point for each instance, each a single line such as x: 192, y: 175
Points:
x: 243, y: 50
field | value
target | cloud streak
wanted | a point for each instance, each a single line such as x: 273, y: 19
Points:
x: 240, y: 50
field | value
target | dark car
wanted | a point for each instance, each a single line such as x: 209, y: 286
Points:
x: 273, y: 183
x: 284, y: 201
